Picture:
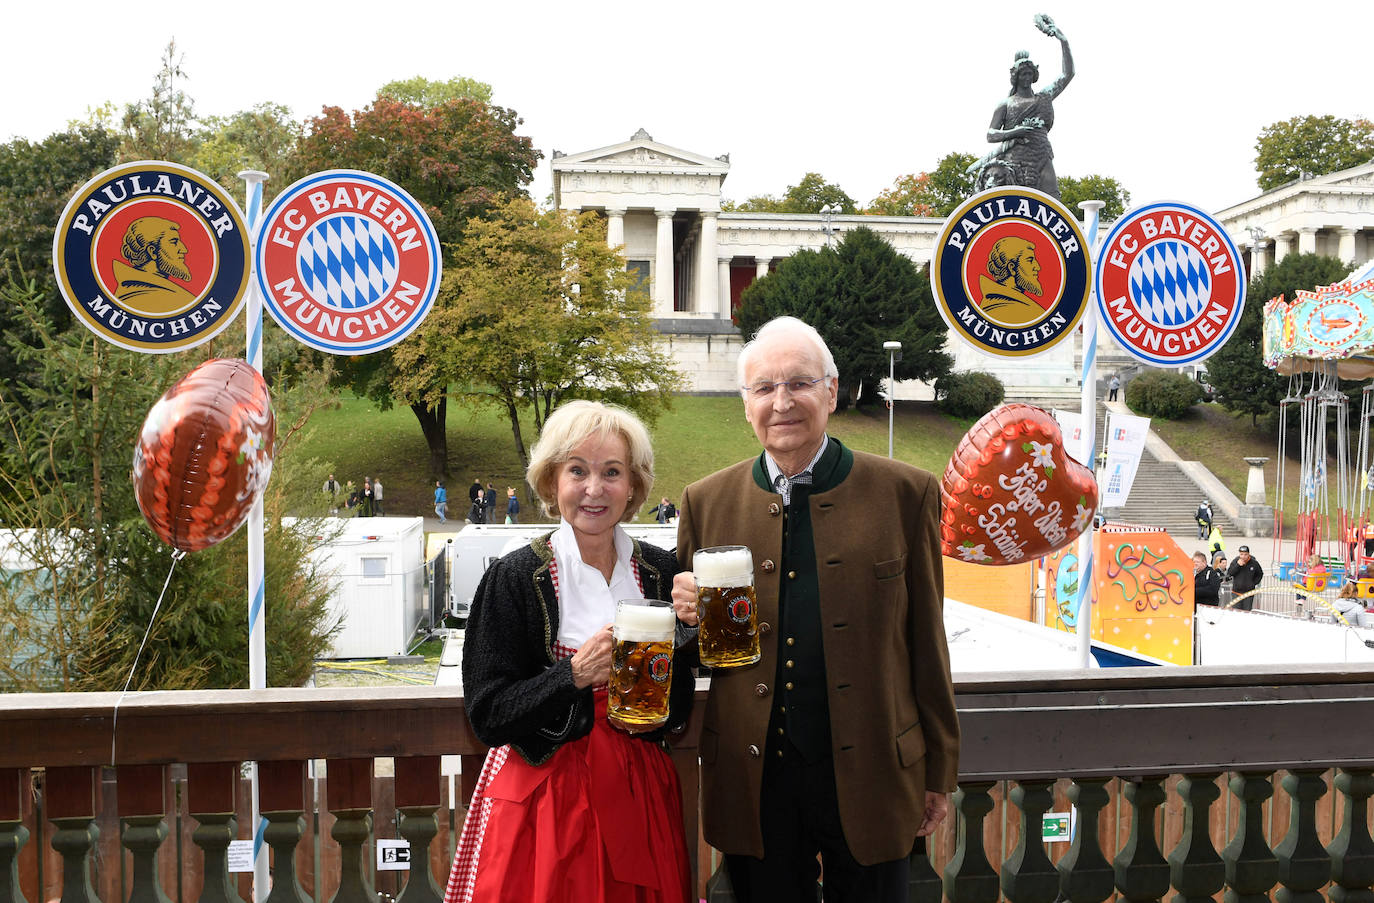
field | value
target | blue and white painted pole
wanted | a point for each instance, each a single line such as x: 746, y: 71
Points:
x: 1087, y: 436
x: 257, y: 594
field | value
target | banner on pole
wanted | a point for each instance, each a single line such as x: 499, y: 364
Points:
x: 347, y: 262
x: 152, y: 256
x: 1071, y: 424
x: 1125, y: 444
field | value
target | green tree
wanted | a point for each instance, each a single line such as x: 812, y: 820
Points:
x: 162, y: 127
x: 263, y: 138
x: 537, y: 309
x: 759, y: 203
x: 1311, y: 145
x: 812, y: 193
x: 457, y: 159
x: 36, y: 181
x: 933, y: 193
x: 1237, y: 370
x: 858, y: 296
x: 74, y: 620
x: 1094, y: 188
x: 424, y: 92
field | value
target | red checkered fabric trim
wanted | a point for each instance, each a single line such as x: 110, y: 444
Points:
x: 466, y: 856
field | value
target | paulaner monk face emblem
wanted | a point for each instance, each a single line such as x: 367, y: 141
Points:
x: 155, y: 256
x: 1013, y: 275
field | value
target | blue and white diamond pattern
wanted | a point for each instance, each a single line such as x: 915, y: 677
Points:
x: 1170, y: 283
x: 347, y: 261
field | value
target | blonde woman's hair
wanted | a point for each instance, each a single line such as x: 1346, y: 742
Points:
x: 573, y: 424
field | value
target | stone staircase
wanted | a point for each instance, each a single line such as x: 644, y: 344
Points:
x: 1162, y: 496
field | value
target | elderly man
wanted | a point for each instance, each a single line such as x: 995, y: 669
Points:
x: 156, y: 256
x: 843, y: 739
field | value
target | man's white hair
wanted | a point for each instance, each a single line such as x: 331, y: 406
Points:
x: 786, y: 327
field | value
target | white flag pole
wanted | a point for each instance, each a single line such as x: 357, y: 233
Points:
x: 1087, y: 436
x: 257, y: 634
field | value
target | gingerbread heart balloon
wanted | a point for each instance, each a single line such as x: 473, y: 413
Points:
x: 1011, y: 493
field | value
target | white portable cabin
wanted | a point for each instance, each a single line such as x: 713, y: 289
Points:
x: 378, y: 565
x: 476, y: 546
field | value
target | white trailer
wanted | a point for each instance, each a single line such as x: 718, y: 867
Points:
x: 476, y: 546
x: 378, y: 567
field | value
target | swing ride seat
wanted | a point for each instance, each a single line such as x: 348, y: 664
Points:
x: 1365, y: 587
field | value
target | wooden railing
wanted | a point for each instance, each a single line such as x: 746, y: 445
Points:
x: 1200, y: 780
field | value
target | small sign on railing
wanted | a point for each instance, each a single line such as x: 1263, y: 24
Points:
x: 240, y: 856
x: 393, y: 855
x: 1057, y: 827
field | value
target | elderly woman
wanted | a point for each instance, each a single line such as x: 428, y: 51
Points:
x: 568, y: 807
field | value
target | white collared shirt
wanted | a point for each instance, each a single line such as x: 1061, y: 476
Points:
x: 586, y: 602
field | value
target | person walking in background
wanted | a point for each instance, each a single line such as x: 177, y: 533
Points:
x: 377, y: 497
x: 1246, y: 574
x: 441, y: 501
x: 512, y: 506
x: 1112, y: 387
x: 332, y: 489
x: 489, y: 504
x: 365, y: 509
x: 664, y: 511
x: 1203, y: 516
x: 475, y: 502
x: 1215, y: 543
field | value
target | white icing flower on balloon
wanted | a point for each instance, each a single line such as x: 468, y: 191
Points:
x: 1042, y: 454
x: 1081, y: 516
x: 973, y: 553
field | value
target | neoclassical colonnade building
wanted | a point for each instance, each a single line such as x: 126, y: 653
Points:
x: 663, y: 205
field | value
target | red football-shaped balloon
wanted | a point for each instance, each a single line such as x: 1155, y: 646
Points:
x: 1011, y: 493
x: 205, y: 454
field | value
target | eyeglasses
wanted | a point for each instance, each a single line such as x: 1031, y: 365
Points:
x: 798, y: 385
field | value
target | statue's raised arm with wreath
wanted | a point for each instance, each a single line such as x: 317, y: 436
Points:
x: 1022, y: 121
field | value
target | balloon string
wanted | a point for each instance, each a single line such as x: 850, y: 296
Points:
x: 177, y: 555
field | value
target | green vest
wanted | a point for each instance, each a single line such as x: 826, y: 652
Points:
x: 800, y: 719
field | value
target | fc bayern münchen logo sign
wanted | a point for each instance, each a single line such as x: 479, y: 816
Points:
x: 152, y: 256
x: 1170, y: 285
x: 348, y: 262
x: 1010, y: 272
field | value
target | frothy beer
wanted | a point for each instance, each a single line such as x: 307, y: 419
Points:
x: 726, y: 606
x: 641, y: 665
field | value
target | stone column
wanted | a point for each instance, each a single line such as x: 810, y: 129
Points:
x: 1255, y: 518
x: 723, y: 291
x: 1283, y: 246
x: 1346, y: 250
x: 663, y: 265
x: 615, y: 226
x: 708, y: 289
x: 761, y: 267
x: 1307, y: 240
x: 1257, y: 258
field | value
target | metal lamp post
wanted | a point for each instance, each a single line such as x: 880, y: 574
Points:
x: 827, y: 212
x: 894, y: 351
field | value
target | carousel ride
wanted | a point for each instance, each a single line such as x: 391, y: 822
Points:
x: 1318, y: 339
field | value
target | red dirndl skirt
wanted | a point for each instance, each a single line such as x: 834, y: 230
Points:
x: 600, y: 820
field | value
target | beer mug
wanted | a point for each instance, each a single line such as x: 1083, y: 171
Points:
x: 641, y: 665
x: 727, y: 607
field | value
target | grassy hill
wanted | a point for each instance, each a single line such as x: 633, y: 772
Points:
x: 697, y: 437
x: 701, y: 435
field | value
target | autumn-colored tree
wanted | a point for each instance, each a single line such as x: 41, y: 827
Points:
x: 535, y: 309
x: 457, y: 159
x: 1311, y: 146
x: 933, y: 193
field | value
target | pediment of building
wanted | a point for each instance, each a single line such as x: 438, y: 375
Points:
x: 641, y: 154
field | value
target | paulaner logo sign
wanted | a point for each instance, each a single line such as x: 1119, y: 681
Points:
x: 1170, y: 285
x: 1010, y: 272
x: 348, y: 262
x: 152, y: 256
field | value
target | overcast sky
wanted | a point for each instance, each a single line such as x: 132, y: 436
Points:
x: 1168, y: 98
